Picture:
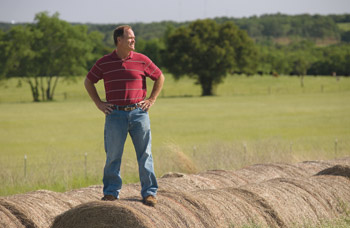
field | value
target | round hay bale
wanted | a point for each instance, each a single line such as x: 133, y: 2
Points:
x: 304, y: 201
x: 232, y: 207
x: 17, y: 214
x: 38, y: 208
x: 101, y: 214
x: 8, y: 220
x: 173, y: 210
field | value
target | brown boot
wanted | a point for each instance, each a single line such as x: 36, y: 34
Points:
x: 109, y: 198
x: 150, y: 201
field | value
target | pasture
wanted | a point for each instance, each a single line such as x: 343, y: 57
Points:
x: 251, y: 120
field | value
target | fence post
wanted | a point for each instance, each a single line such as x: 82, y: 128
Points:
x: 25, y: 166
x: 336, y: 148
x: 85, y: 165
x: 245, y: 156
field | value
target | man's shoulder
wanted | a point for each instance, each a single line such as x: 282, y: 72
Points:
x: 140, y: 56
x: 105, y: 58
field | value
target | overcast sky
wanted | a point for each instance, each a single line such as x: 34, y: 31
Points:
x: 128, y: 11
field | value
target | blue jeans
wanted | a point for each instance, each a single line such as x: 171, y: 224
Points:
x: 118, y: 125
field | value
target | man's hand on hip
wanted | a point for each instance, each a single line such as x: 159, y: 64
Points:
x: 105, y: 107
x: 146, y: 104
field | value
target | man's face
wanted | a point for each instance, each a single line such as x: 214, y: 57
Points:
x: 127, y: 41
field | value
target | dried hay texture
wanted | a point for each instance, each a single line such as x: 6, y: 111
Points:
x: 39, y: 208
x: 280, y: 202
x: 252, y: 174
x: 8, y: 220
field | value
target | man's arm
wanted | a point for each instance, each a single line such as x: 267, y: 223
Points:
x: 91, y: 89
x: 157, y: 87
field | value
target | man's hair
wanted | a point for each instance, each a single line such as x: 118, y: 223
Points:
x: 119, y: 31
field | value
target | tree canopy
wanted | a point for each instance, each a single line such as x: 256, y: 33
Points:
x: 207, y: 51
x: 46, y: 50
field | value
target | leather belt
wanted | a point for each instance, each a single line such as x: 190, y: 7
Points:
x: 126, y: 108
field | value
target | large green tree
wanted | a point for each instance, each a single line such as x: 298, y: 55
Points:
x: 47, y: 50
x: 208, y: 51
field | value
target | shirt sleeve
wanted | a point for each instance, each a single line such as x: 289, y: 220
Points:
x: 151, y: 70
x: 95, y: 74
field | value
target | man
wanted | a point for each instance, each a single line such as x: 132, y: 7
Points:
x: 124, y: 73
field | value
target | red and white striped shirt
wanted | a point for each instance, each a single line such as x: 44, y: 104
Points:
x: 124, y: 80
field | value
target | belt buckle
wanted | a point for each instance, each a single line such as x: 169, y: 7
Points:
x: 128, y: 109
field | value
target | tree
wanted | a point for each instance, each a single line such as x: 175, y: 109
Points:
x: 47, y: 50
x: 152, y: 48
x: 207, y: 51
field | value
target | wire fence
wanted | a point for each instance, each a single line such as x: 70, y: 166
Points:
x: 84, y: 165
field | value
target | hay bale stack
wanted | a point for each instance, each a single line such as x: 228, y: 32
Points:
x: 40, y: 207
x: 252, y: 174
x: 214, y: 179
x: 280, y: 202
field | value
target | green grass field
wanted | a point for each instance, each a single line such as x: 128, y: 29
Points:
x: 344, y: 26
x: 251, y: 120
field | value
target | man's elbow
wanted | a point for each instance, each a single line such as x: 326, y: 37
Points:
x: 161, y: 78
x: 87, y: 82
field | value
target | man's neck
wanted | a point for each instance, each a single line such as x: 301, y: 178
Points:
x: 122, y: 54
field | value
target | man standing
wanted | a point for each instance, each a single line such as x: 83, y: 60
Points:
x: 124, y: 74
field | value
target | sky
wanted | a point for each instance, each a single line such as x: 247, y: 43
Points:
x: 146, y: 11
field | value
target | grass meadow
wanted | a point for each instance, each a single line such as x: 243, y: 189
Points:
x: 257, y: 119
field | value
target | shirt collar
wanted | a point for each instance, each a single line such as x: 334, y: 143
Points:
x: 115, y: 56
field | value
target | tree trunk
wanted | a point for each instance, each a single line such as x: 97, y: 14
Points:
x: 35, y: 89
x: 42, y: 89
x: 51, y: 90
x: 301, y: 81
x: 207, y: 86
x: 54, y: 87
x: 48, y: 88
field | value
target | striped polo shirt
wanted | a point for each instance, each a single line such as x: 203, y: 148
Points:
x: 124, y: 80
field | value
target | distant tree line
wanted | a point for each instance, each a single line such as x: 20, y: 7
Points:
x: 287, y: 44
x: 258, y: 27
x: 207, y: 50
